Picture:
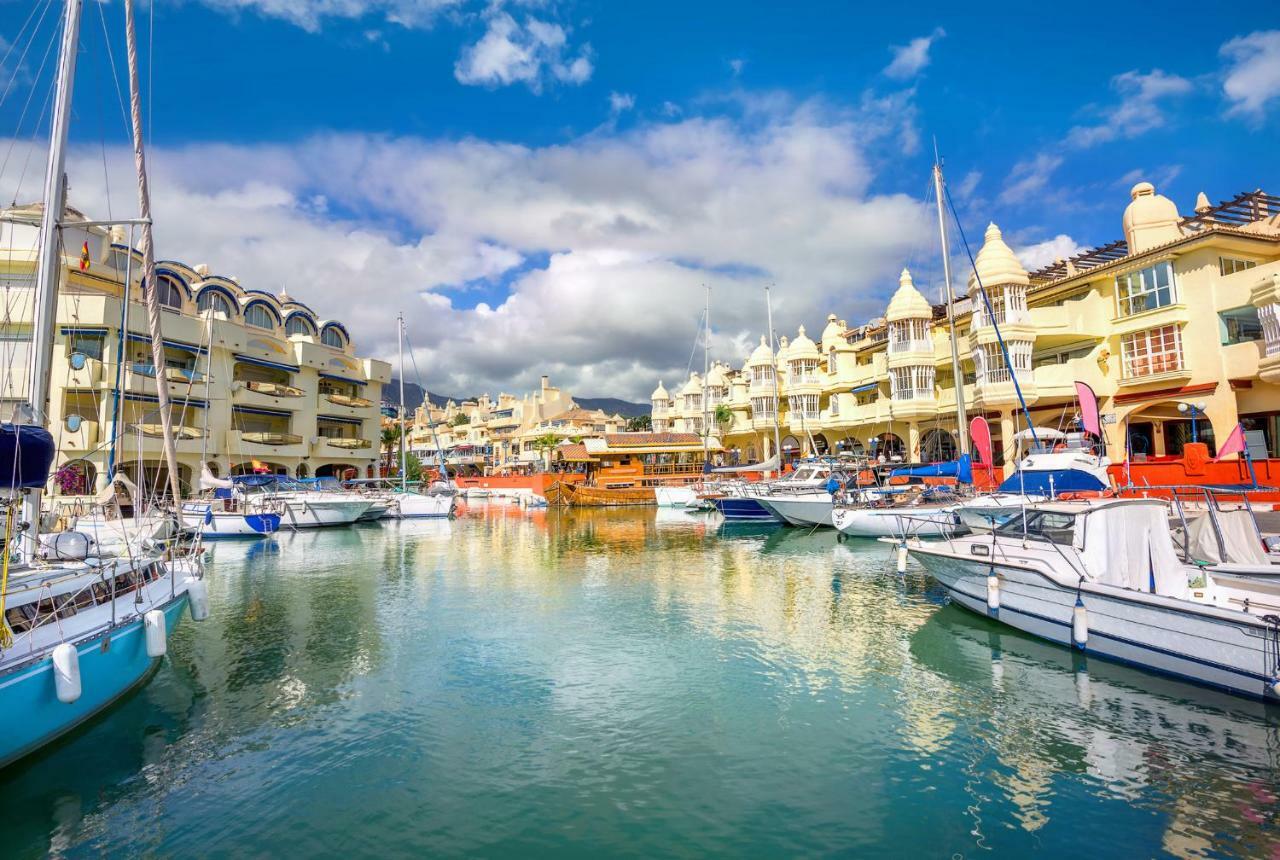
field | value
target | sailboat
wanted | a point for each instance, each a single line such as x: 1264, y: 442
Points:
x: 404, y: 503
x: 81, y: 626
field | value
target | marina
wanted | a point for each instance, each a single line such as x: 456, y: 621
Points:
x: 579, y: 678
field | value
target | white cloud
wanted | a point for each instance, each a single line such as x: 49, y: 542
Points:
x: 530, y: 53
x: 1252, y: 79
x: 619, y: 102
x: 910, y: 59
x: 310, y: 15
x: 1140, y: 110
x: 588, y: 255
x: 1040, y: 254
x: 1029, y: 178
x: 736, y: 65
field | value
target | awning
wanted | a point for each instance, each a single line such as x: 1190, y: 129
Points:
x: 170, y: 344
x: 83, y: 329
x: 262, y: 362
x: 338, y: 378
x: 174, y: 401
x: 340, y: 419
x: 770, y: 465
x: 871, y: 386
x: 253, y: 410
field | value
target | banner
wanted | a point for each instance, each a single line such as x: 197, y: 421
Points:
x: 1088, y: 409
x: 980, y: 433
x: 1234, y: 444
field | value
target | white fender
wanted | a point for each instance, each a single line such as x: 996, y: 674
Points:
x: 1079, y: 625
x: 66, y: 672
x: 157, y: 638
x: 198, y: 598
x: 902, y: 558
x: 993, y: 592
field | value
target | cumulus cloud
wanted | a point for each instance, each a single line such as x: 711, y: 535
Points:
x: 1252, y: 80
x: 620, y: 102
x: 588, y: 255
x: 1141, y: 108
x: 1029, y: 178
x: 910, y: 59
x: 1040, y: 254
x: 532, y: 53
x: 310, y: 15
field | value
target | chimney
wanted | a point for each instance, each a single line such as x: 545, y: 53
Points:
x: 546, y: 382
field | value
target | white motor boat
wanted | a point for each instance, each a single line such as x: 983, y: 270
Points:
x: 897, y: 521
x: 1103, y: 576
x: 303, y: 507
x: 407, y: 506
x: 1040, y: 477
x: 810, y: 508
x: 214, y: 522
x: 675, y: 496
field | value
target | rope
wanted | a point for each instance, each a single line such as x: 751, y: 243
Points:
x: 6, y: 635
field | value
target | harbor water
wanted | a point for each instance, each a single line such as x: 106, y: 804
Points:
x: 632, y: 683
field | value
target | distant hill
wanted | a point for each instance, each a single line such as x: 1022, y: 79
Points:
x: 413, y: 396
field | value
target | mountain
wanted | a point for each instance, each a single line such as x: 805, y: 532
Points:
x: 613, y: 405
x: 413, y: 395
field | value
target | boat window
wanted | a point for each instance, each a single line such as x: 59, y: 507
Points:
x: 1053, y: 526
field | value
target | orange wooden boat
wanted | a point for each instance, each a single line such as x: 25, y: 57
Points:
x: 608, y: 497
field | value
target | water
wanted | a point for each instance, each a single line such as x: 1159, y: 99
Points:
x: 618, y: 683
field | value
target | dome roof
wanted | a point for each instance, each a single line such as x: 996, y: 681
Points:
x: 761, y: 355
x: 1150, y: 219
x: 803, y: 347
x: 996, y: 263
x: 833, y: 331
x: 716, y: 375
x: 908, y: 303
x: 784, y: 348
x: 694, y: 385
x: 660, y: 393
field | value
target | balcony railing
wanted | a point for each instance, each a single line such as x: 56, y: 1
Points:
x: 263, y: 437
x: 157, y: 431
x: 348, y: 400
x: 274, y: 389
x: 346, y: 443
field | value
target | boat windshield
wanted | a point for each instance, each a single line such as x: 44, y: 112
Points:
x: 1053, y: 526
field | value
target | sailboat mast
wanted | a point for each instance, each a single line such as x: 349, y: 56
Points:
x: 150, y: 290
x: 49, y: 253
x: 706, y: 368
x: 962, y: 419
x: 773, y: 361
x: 404, y: 457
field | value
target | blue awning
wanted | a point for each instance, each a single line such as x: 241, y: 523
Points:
x: 253, y: 410
x: 170, y: 344
x: 343, y: 378
x: 262, y: 362
x: 339, y: 419
x: 174, y: 402
x: 83, y: 329
x: 861, y: 388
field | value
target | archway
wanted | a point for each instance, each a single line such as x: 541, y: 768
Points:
x: 851, y: 446
x: 820, y: 445
x: 302, y: 471
x: 341, y: 471
x: 888, y: 446
x: 1162, y: 429
x: 152, y: 477
x: 257, y: 467
x: 75, y: 478
x: 938, y: 446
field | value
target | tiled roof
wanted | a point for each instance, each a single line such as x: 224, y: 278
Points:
x: 632, y: 440
x: 576, y: 453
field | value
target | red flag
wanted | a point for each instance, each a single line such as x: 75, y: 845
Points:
x: 1088, y: 409
x: 84, y: 257
x: 1234, y: 445
x: 980, y: 433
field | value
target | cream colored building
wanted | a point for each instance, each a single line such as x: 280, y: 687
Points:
x: 258, y: 382
x: 1176, y: 327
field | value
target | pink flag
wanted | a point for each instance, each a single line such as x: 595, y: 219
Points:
x: 1088, y: 409
x: 1233, y: 445
x: 980, y: 433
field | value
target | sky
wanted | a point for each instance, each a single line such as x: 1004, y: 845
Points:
x: 549, y: 186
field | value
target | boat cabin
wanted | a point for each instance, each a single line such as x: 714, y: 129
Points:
x: 637, y: 460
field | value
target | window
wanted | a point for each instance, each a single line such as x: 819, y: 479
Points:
x: 299, y: 324
x: 88, y: 344
x: 1240, y: 325
x: 762, y: 376
x: 909, y: 335
x: 1269, y: 317
x: 1230, y: 265
x: 990, y: 365
x: 1158, y: 350
x: 804, y: 370
x: 259, y: 315
x: 692, y: 402
x: 332, y: 336
x: 1051, y: 526
x: 803, y: 406
x: 911, y: 383
x: 762, y: 407
x: 169, y: 293
x: 833, y: 406
x: 1146, y: 289
x: 831, y: 360
x: 213, y: 300
x: 1008, y: 304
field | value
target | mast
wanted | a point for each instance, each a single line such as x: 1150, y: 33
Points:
x: 403, y: 454
x: 773, y: 359
x: 149, y: 260
x: 706, y: 368
x: 49, y: 260
x: 962, y: 419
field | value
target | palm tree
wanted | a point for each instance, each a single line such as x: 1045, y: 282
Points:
x: 640, y: 423
x: 546, y: 443
x: 722, y: 415
x: 391, y: 434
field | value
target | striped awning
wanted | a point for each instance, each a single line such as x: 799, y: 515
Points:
x: 255, y: 410
x: 262, y: 362
x: 338, y: 378
x: 170, y: 344
x: 340, y: 419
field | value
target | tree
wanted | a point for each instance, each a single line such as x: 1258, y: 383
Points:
x: 545, y: 444
x: 459, y: 420
x: 722, y: 415
x: 391, y: 434
x: 639, y: 424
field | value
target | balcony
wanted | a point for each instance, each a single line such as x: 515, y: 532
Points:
x: 187, y: 439
x: 252, y: 443
x: 348, y: 400
x: 329, y: 446
x: 268, y: 395
x: 141, y: 379
x: 997, y: 389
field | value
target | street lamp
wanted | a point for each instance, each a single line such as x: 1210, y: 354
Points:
x: 1195, y: 410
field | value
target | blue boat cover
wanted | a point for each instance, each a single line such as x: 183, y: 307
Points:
x: 1064, y: 481
x: 254, y: 480
x: 961, y: 470
x: 26, y: 456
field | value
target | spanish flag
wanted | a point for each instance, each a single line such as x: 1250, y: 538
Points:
x: 84, y: 257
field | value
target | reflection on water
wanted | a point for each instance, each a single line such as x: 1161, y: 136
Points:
x: 633, y: 682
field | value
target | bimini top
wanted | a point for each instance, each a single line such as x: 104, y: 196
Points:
x: 26, y: 456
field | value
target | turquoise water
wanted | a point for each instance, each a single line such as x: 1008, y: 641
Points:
x: 600, y: 683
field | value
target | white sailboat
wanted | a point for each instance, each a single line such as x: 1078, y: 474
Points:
x: 405, y: 504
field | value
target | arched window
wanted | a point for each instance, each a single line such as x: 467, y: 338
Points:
x: 259, y: 315
x: 170, y: 294
x: 213, y: 300
x: 332, y: 336
x: 299, y: 324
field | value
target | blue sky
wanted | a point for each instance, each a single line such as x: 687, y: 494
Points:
x: 545, y: 185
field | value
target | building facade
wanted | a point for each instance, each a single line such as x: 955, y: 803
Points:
x: 258, y: 382
x: 1176, y: 327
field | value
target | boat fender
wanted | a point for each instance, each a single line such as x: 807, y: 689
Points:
x: 993, y: 592
x: 1079, y: 624
x: 902, y: 557
x: 1275, y: 686
x: 157, y: 642
x: 198, y: 598
x: 66, y: 673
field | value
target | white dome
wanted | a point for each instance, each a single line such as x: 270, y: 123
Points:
x: 716, y: 375
x: 761, y: 355
x: 660, y: 393
x: 694, y: 385
x: 803, y: 347
x: 1150, y: 219
x: 908, y: 303
x: 833, y: 332
x: 996, y: 263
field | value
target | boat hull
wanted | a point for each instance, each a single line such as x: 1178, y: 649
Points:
x: 1143, y: 630
x: 804, y: 511
x: 221, y: 524
x: 609, y: 497
x: 744, y: 509
x: 309, y: 515
x: 675, y: 497
x: 410, y: 506
x: 31, y: 714
x: 895, y: 522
